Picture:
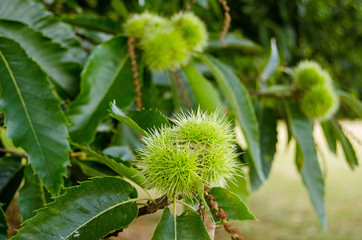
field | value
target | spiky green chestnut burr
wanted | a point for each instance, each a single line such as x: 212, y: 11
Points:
x: 193, y: 30
x: 212, y: 140
x: 200, y: 147
x: 319, y: 103
x: 309, y: 74
x: 164, y: 49
x: 138, y: 23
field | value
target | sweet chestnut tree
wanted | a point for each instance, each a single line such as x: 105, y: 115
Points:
x: 132, y: 95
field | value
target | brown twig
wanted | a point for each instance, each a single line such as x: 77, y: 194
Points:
x: 177, y: 77
x: 13, y: 153
x: 132, y: 54
x: 227, y: 20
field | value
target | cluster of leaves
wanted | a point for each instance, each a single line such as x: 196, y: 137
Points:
x: 56, y: 85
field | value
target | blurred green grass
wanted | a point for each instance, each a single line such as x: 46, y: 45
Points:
x: 282, y: 206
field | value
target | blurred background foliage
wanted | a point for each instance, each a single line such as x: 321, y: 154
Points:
x: 326, y: 30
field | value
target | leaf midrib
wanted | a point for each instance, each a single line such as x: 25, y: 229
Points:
x: 25, y: 110
x: 102, y: 212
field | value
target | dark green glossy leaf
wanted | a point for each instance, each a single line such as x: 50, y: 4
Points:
x: 272, y: 64
x: 90, y: 210
x: 330, y: 137
x: 51, y: 56
x: 144, y: 121
x: 34, y: 14
x: 121, y: 167
x: 207, y: 97
x: 188, y: 226
x: 34, y: 119
x: 348, y: 150
x: 106, y: 77
x: 312, y: 176
x: 11, y: 175
x: 232, y: 205
x: 352, y: 102
x: 31, y: 195
x: 241, y: 106
x: 3, y: 225
x: 233, y: 40
x: 95, y: 23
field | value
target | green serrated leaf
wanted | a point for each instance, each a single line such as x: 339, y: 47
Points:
x: 348, y: 150
x: 144, y: 121
x: 241, y: 106
x: 205, y: 93
x: 330, y: 137
x: 106, y: 77
x: 121, y: 167
x: 272, y: 64
x: 188, y: 226
x: 11, y: 175
x: 232, y: 205
x: 3, y: 225
x: 31, y: 194
x: 95, y: 23
x: 51, y: 56
x: 90, y: 210
x: 302, y: 129
x: 34, y: 14
x: 352, y: 102
x: 34, y: 119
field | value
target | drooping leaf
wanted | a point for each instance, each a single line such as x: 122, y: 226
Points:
x: 233, y: 40
x: 268, y: 137
x: 121, y: 167
x: 34, y: 14
x: 34, y: 119
x: 302, y: 129
x: 330, y: 137
x: 11, y: 175
x: 352, y: 102
x: 90, y: 210
x: 188, y: 226
x: 348, y: 150
x: 31, y: 194
x: 272, y: 64
x: 241, y: 106
x: 51, y: 56
x: 95, y: 23
x: 206, y: 95
x: 107, y: 76
x: 182, y: 93
x: 3, y: 225
x: 143, y: 121
x: 232, y: 205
